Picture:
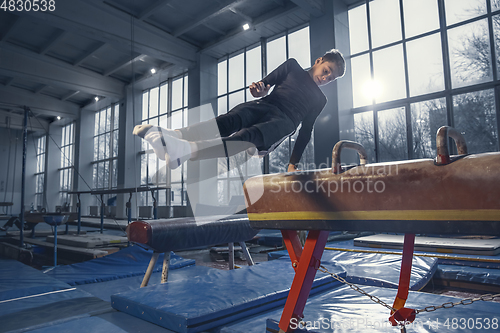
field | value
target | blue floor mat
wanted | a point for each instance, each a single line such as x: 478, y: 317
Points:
x: 104, y: 290
x: 469, y: 274
x: 35, y: 310
x: 131, y: 261
x: 376, y: 269
x: 345, y: 310
x: 217, y: 298
x: 19, y: 280
x: 113, y: 322
x: 443, y: 258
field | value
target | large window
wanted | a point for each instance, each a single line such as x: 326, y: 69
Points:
x: 235, y: 73
x: 165, y: 106
x: 291, y: 45
x: 40, y: 173
x: 66, y: 170
x: 106, y: 148
x: 412, y: 75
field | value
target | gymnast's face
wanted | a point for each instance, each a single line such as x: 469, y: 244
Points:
x: 323, y: 72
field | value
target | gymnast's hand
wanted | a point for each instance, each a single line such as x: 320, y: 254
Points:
x: 292, y: 168
x: 259, y: 89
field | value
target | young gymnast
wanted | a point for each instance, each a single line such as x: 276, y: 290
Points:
x: 262, y: 123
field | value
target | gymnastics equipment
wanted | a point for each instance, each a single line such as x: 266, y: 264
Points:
x: 55, y: 220
x: 165, y: 235
x: 446, y: 195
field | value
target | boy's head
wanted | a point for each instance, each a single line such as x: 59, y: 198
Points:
x: 328, y: 68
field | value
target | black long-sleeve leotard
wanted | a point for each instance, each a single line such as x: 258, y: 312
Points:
x: 297, y: 95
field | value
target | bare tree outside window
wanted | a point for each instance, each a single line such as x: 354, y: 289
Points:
x: 474, y: 112
x: 392, y: 135
x: 475, y: 116
x: 426, y: 118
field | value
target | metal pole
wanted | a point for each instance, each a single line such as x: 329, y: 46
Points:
x: 23, y: 177
x: 247, y: 255
x: 231, y: 255
x: 129, y: 209
x: 79, y: 204
x: 102, y: 213
x: 55, y: 244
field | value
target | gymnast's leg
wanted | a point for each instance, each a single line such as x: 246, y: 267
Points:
x: 176, y: 146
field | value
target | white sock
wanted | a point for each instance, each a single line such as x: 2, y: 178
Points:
x: 166, y: 146
x: 141, y: 130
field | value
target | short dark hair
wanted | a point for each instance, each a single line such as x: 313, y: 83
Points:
x: 337, y: 58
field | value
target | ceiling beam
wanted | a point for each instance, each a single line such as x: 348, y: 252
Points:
x: 11, y: 28
x: 205, y: 16
x: 56, y: 38
x: 270, y: 16
x: 214, y: 29
x: 89, y: 53
x: 40, y: 103
x: 40, y: 89
x: 69, y: 95
x: 97, y: 105
x: 24, y: 64
x: 238, y: 12
x: 17, y: 121
x: 152, y: 9
x: 9, y: 81
x: 313, y: 7
x: 279, y: 2
x: 98, y: 21
x: 123, y: 64
x: 161, y: 74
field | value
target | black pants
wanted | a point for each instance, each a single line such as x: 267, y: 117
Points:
x: 252, y: 124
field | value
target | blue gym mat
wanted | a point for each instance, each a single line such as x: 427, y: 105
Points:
x: 217, y: 298
x: 469, y: 274
x: 105, y: 289
x: 443, y: 258
x: 274, y: 238
x: 376, y: 269
x: 131, y: 261
x: 28, y: 298
x: 345, y: 310
x: 18, y: 280
x: 114, y: 322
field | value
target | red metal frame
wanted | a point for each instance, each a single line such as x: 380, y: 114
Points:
x: 405, y: 273
x: 306, y: 262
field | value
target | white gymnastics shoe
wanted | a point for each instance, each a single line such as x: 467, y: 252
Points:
x: 167, y: 146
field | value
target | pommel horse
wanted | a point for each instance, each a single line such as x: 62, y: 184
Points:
x: 446, y: 195
x: 165, y: 235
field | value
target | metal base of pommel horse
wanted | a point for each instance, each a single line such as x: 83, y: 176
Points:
x: 446, y: 195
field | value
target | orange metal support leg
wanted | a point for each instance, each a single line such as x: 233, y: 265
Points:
x: 305, y: 262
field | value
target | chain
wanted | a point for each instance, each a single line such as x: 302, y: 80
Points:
x: 465, y: 301
x: 447, y: 305
x: 356, y: 288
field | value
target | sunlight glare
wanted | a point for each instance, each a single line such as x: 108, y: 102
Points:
x: 372, y: 89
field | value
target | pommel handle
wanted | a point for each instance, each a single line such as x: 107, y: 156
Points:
x: 336, y: 166
x: 443, y: 152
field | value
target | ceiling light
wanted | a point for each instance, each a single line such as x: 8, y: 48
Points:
x: 58, y: 117
x: 96, y: 99
x: 246, y: 26
x: 153, y: 70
